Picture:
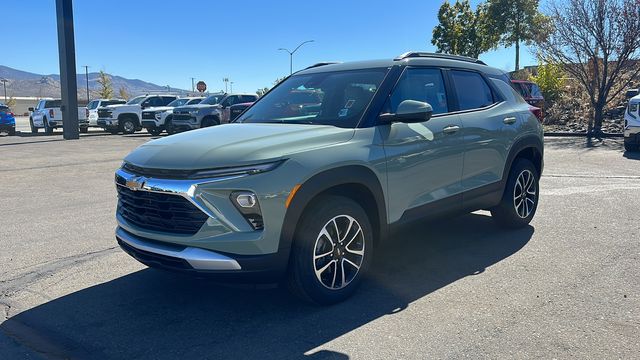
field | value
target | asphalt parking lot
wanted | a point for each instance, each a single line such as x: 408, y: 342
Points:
x: 566, y: 286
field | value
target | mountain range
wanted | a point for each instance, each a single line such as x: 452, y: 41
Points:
x: 23, y: 83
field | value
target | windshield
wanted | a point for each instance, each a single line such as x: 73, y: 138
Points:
x: 136, y: 100
x: 329, y: 98
x: 92, y: 105
x: 178, y: 102
x: 212, y: 100
x: 194, y: 101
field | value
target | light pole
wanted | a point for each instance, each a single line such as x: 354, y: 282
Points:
x: 86, y: 75
x: 231, y: 86
x: 193, y: 86
x: 293, y: 52
x: 226, y: 82
x: 4, y: 84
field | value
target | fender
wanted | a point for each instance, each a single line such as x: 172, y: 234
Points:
x: 351, y: 174
x: 528, y: 141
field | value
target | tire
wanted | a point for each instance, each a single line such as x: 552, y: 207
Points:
x: 209, y: 121
x: 12, y: 132
x: 47, y: 129
x: 34, y: 130
x: 127, y: 125
x: 168, y: 125
x: 84, y: 129
x: 311, y: 240
x: 154, y: 131
x: 630, y: 147
x: 520, y: 198
x: 113, y: 131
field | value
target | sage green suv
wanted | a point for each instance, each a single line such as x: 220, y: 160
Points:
x: 305, y: 191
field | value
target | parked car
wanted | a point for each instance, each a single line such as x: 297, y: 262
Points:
x: 126, y: 118
x: 236, y: 109
x: 632, y: 125
x: 48, y: 116
x: 531, y: 93
x: 310, y: 198
x: 7, y: 120
x: 213, y: 110
x: 93, y: 105
x: 157, y: 119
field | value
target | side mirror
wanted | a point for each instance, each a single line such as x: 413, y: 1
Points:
x: 31, y: 109
x: 409, y: 111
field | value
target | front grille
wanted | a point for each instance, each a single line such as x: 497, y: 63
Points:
x: 149, y: 115
x: 179, y: 116
x: 104, y: 113
x: 159, y: 212
x: 158, y: 173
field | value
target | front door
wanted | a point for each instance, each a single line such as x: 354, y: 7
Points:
x: 424, y: 160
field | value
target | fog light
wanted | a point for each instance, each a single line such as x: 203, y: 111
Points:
x: 247, y: 203
x: 246, y: 200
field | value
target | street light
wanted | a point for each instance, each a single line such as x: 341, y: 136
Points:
x: 293, y: 52
x: 86, y: 75
x: 4, y: 84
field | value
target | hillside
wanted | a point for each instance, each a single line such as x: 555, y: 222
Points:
x: 22, y: 83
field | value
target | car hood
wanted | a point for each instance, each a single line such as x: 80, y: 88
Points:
x: 123, y: 107
x: 159, y: 108
x: 194, y: 107
x: 234, y: 145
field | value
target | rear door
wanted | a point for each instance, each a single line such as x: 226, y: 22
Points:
x: 424, y: 160
x: 489, y: 127
x: 230, y: 100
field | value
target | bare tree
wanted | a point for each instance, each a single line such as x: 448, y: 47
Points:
x: 597, y: 42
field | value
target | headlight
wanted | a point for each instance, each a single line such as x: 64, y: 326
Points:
x: 193, y: 112
x: 158, y: 115
x: 633, y: 107
x: 241, y: 170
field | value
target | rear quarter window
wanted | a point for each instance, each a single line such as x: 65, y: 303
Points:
x: 471, y: 90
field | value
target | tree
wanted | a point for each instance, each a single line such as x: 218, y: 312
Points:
x: 122, y: 93
x: 461, y: 31
x: 597, y: 42
x: 11, y: 102
x: 550, y: 79
x: 106, y: 90
x: 515, y: 22
x: 262, y: 91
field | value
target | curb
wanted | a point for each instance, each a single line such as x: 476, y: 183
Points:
x: 582, y: 134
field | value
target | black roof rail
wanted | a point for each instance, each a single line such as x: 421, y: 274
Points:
x: 418, y: 54
x: 322, y: 64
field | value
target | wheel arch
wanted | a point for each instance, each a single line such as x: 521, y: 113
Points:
x: 530, y: 148
x: 356, y: 182
x: 130, y: 115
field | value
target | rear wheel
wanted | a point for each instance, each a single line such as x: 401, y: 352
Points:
x: 154, y: 131
x: 630, y: 147
x: 47, y: 128
x: 12, y: 132
x: 168, y: 125
x: 34, y: 130
x: 520, y: 199
x: 332, y: 251
x: 113, y: 131
x: 84, y: 129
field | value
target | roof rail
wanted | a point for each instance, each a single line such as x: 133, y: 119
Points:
x: 322, y: 64
x: 418, y: 54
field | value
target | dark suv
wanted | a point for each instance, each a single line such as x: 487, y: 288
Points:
x: 309, y: 190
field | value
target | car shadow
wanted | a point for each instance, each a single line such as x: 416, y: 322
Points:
x: 156, y: 314
x: 632, y: 155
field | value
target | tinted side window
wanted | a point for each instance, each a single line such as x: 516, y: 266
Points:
x: 52, y: 104
x: 230, y: 100
x: 425, y: 85
x: 167, y: 99
x: 471, y: 90
x: 248, y: 98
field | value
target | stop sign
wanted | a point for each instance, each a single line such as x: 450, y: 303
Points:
x: 201, y: 86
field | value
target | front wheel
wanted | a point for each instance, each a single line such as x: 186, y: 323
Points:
x: 84, y: 129
x: 332, y: 251
x: 34, y: 130
x: 209, y: 121
x: 47, y: 128
x: 520, y: 199
x: 630, y: 147
x: 154, y: 131
x: 128, y: 126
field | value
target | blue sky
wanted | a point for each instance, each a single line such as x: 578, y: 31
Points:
x: 168, y: 42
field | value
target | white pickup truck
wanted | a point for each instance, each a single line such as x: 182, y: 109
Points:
x: 48, y: 116
x: 126, y: 118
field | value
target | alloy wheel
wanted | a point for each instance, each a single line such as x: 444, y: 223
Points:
x: 524, y: 194
x: 128, y: 127
x: 338, y: 252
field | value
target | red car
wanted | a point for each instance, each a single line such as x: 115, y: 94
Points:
x: 532, y: 94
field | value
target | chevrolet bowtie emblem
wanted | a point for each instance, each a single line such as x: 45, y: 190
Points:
x: 135, y: 183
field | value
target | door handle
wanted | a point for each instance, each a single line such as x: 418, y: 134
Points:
x: 509, y: 120
x: 451, y: 129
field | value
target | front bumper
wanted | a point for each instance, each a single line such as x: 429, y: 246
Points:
x: 632, y: 135
x: 102, y: 122
x: 7, y: 127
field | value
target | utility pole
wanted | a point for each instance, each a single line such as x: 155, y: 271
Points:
x: 86, y: 75
x: 226, y: 82
x: 68, y: 78
x: 293, y: 52
x: 231, y: 88
x: 193, y: 86
x: 4, y: 83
